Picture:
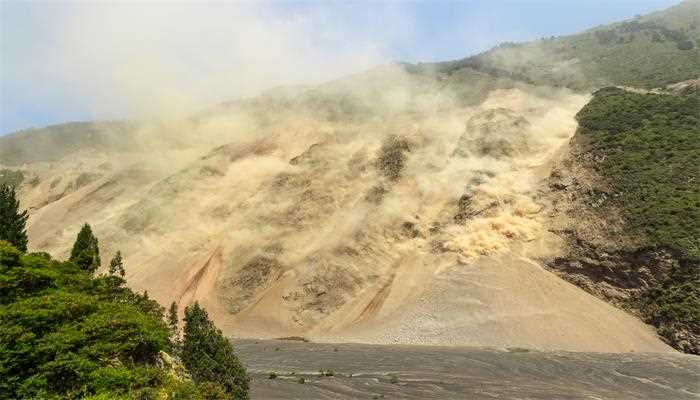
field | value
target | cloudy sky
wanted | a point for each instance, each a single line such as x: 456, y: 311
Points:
x: 108, y: 60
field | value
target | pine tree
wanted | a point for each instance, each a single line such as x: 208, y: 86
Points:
x: 12, y: 220
x: 209, y: 356
x: 172, y: 318
x: 117, y: 265
x: 86, y: 250
x: 173, y: 328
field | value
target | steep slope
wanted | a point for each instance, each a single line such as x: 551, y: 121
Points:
x: 334, y: 229
x: 388, y: 206
x: 629, y: 189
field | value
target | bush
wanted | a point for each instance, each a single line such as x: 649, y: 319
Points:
x: 649, y: 146
x: 391, y: 159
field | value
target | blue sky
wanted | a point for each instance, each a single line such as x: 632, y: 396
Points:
x: 79, y: 61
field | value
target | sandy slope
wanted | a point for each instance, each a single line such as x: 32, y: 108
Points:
x: 290, y: 221
x: 506, y: 301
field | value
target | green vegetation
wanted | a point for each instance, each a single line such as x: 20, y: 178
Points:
x: 173, y: 321
x: 650, y: 51
x: 86, y: 250
x: 66, y: 334
x: 650, y: 147
x: 116, y: 266
x: 675, y: 306
x: 55, y: 142
x: 12, y: 220
x: 208, y: 355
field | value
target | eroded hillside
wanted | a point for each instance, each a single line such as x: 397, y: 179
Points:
x: 627, y: 191
x: 419, y: 203
x: 385, y: 207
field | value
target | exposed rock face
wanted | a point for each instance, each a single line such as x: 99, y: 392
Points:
x: 602, y: 257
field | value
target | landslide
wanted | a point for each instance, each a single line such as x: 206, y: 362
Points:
x: 627, y: 200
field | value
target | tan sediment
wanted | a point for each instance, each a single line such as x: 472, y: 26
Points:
x: 292, y: 188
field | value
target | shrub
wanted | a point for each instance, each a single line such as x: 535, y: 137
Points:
x: 391, y: 159
x: 649, y: 147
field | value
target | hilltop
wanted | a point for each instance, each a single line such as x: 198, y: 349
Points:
x: 648, y: 51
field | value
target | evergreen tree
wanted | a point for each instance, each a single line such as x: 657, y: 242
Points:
x: 114, y: 281
x: 117, y: 265
x: 172, y: 319
x: 86, y: 251
x: 209, y: 356
x: 12, y: 220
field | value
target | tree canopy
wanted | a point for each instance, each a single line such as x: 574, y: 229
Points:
x: 68, y: 334
x: 86, y: 250
x: 12, y: 220
x: 116, y: 266
x: 209, y: 356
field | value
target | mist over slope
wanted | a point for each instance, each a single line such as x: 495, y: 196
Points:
x: 398, y: 205
x: 648, y: 51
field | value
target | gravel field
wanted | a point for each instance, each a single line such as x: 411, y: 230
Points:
x: 362, y: 371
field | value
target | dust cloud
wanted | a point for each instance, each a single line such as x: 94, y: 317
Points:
x: 309, y: 209
x: 281, y: 211
x: 146, y: 61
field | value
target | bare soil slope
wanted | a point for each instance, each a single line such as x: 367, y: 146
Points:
x: 378, y: 209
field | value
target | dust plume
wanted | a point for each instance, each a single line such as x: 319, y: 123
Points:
x: 276, y: 167
x: 327, y: 211
x: 145, y: 61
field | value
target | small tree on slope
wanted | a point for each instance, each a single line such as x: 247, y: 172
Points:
x: 12, y: 220
x: 173, y: 326
x: 209, y: 356
x: 172, y: 316
x: 86, y: 251
x: 117, y: 265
